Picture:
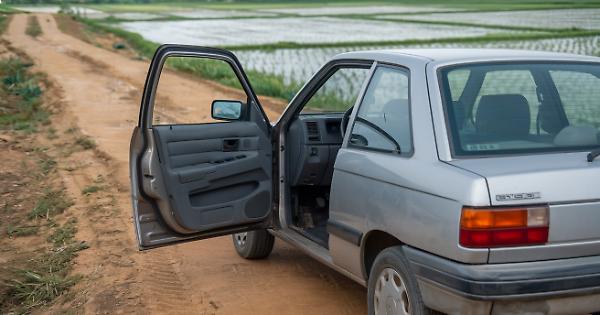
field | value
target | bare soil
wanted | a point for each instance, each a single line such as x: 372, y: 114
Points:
x: 98, y: 92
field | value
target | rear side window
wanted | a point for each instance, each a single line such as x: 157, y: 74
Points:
x: 383, y: 119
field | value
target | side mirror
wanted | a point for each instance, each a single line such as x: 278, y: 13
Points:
x: 226, y: 110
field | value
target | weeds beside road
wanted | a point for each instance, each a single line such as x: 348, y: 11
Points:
x: 33, y: 27
x: 37, y: 234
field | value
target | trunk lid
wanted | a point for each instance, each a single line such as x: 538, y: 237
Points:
x: 565, y: 182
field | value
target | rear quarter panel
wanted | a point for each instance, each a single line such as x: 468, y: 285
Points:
x: 416, y: 198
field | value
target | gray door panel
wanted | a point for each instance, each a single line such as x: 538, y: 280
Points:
x: 215, y: 174
x: 196, y: 181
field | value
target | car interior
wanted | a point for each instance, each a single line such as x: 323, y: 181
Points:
x: 314, y: 140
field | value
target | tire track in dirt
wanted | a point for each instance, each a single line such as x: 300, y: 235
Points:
x: 101, y: 92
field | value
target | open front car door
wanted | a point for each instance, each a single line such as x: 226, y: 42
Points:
x: 195, y: 175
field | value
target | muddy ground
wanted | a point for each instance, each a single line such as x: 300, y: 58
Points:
x: 98, y: 93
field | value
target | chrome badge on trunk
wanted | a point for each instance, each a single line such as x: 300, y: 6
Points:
x: 518, y: 196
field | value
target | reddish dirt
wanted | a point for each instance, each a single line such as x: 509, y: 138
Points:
x: 100, y: 93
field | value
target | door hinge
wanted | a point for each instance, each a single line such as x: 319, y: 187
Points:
x: 281, y: 148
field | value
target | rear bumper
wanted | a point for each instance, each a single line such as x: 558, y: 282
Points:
x: 561, y: 286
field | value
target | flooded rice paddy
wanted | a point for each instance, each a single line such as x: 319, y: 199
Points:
x: 298, y: 65
x: 228, y: 32
x: 564, y: 18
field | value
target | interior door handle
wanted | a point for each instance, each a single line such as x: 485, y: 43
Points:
x: 231, y: 145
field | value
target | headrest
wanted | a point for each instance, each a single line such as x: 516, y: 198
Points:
x: 503, y: 116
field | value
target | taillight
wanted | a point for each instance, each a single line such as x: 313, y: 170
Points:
x: 501, y: 227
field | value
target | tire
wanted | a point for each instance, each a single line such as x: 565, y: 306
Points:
x: 254, y: 244
x: 389, y: 274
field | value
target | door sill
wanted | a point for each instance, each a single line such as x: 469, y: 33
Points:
x: 310, y: 237
x: 314, y: 250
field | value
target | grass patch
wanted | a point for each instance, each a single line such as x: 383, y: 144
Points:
x: 51, y: 203
x: 47, y: 165
x: 20, y: 92
x: 4, y: 19
x: 15, y: 231
x: 7, y: 9
x: 88, y: 190
x: 85, y: 142
x: 46, y: 277
x: 64, y: 235
x: 33, y: 289
x: 33, y: 27
x: 51, y: 133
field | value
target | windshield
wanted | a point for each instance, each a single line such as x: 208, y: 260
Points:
x: 522, y: 107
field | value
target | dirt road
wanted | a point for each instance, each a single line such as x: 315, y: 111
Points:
x: 101, y: 92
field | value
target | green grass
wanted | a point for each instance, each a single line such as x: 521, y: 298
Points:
x: 47, y: 165
x: 88, y: 190
x: 33, y: 289
x: 64, y: 235
x: 47, y: 276
x: 51, y: 203
x: 85, y: 142
x: 33, y: 27
x: 3, y: 23
x: 7, y: 9
x: 20, y: 93
x: 15, y: 231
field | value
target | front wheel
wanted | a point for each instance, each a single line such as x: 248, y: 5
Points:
x: 392, y: 288
x: 254, y: 244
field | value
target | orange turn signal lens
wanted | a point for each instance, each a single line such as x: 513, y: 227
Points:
x: 493, y: 219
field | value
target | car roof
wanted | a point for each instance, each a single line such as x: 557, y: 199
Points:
x: 459, y: 55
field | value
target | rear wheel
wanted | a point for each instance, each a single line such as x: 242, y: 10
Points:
x: 254, y: 244
x: 392, y: 288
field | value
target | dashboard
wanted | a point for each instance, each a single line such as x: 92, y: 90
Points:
x: 313, y: 142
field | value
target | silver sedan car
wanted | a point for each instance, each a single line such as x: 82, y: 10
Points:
x: 459, y: 181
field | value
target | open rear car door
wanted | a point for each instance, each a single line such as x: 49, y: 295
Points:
x: 198, y: 180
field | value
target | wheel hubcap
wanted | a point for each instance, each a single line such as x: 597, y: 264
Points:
x: 240, y: 238
x: 391, y: 297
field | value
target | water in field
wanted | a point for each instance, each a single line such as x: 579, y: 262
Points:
x: 226, y: 32
x: 211, y: 14
x: 565, y: 18
x: 297, y: 65
x: 335, y: 10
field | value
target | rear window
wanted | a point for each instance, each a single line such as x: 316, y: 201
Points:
x: 522, y: 107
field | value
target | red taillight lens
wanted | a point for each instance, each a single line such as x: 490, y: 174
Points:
x: 501, y: 227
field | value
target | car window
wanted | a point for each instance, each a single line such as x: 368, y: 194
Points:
x: 458, y: 81
x: 339, y: 92
x: 513, y: 82
x: 524, y: 108
x: 580, y: 94
x: 170, y: 108
x: 383, y: 118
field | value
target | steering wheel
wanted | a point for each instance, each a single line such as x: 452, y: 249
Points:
x: 345, y: 119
